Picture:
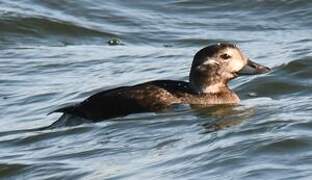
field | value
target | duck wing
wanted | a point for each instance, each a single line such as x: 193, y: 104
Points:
x: 106, y: 104
x: 151, y: 96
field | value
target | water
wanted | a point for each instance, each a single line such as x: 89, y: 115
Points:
x: 56, y: 52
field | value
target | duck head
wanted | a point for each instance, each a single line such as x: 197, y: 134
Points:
x: 214, y: 66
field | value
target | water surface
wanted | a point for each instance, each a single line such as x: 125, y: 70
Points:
x: 56, y: 52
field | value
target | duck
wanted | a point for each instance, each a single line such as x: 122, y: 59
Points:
x: 211, y: 70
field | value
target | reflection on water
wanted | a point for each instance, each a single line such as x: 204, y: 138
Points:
x: 223, y: 116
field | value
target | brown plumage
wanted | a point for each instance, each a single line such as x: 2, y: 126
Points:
x: 211, y: 70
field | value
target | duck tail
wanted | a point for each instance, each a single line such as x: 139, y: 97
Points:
x: 67, y: 109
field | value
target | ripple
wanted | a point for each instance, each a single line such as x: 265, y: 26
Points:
x: 55, y: 52
x: 53, y: 30
x: 284, y: 80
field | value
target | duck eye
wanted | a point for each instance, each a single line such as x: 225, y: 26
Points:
x: 225, y: 56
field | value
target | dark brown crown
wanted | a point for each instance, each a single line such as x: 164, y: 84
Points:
x: 210, y: 51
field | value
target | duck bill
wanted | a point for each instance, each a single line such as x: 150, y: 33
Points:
x: 252, y: 68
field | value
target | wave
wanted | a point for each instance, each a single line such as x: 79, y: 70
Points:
x: 76, y: 23
x: 284, y: 80
x: 41, y: 29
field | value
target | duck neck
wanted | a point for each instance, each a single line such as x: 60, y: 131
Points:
x: 209, y: 85
x: 211, y: 88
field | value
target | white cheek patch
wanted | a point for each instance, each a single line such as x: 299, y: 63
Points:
x: 206, y: 64
x: 211, y: 62
x: 237, y: 61
x: 236, y: 65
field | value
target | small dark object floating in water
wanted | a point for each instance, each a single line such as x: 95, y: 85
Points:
x: 114, y: 42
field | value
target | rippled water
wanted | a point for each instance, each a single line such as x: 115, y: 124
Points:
x: 56, y: 52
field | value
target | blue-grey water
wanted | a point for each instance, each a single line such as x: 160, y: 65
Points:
x: 56, y: 52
